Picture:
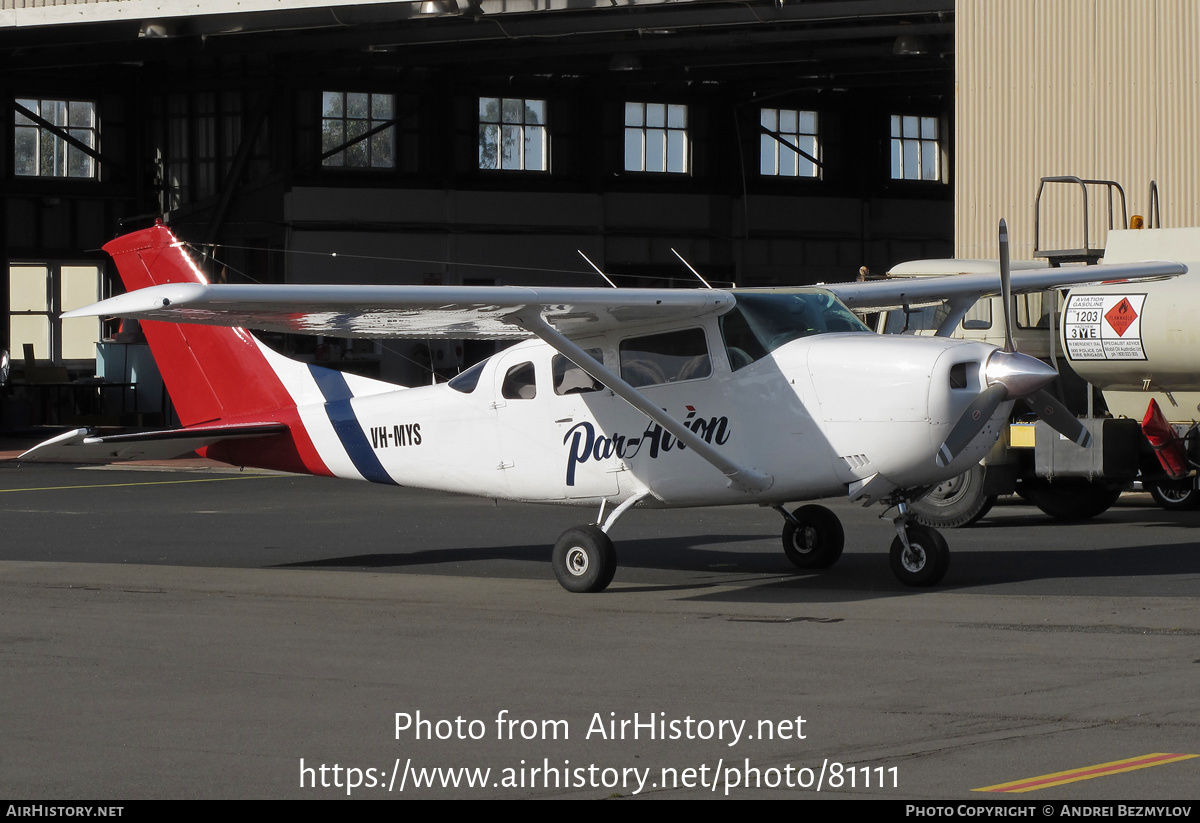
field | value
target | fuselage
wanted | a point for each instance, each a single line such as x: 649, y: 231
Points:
x: 818, y: 410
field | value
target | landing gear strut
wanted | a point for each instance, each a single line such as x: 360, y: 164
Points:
x: 584, y: 559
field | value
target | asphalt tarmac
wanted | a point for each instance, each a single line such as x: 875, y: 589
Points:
x: 184, y: 631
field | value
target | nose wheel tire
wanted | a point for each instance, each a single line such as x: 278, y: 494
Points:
x: 926, y: 559
x: 584, y: 559
x: 816, y: 540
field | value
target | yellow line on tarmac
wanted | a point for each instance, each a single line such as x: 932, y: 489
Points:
x: 1030, y: 784
x: 147, y: 483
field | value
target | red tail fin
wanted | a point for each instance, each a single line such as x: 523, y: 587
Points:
x: 211, y: 373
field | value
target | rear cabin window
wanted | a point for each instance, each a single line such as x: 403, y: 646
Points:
x: 518, y: 383
x: 468, y: 380
x: 570, y: 379
x: 670, y: 357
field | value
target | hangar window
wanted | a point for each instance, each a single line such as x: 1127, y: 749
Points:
x: 512, y: 134
x: 55, y: 138
x: 656, y: 137
x: 788, y: 145
x: 357, y: 130
x: 915, y: 151
x: 38, y: 293
x: 196, y: 137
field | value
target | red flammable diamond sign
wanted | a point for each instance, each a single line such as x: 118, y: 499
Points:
x: 1121, y: 316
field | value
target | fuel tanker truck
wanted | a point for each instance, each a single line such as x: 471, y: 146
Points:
x: 1128, y: 358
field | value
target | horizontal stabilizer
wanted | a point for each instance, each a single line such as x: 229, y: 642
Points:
x: 85, y: 446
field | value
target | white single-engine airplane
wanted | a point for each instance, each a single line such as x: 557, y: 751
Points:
x: 624, y: 397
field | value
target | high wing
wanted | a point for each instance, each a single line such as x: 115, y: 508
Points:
x: 487, y: 312
x: 981, y: 278
x: 419, y: 312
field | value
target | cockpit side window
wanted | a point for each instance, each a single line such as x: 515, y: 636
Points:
x: 762, y: 322
x: 741, y: 346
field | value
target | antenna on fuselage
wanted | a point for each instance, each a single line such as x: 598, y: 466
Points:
x: 707, y: 285
x: 599, y: 271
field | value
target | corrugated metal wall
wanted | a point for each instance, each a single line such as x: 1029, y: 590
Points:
x: 1093, y: 88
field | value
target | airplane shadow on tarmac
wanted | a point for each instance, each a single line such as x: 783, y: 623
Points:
x: 686, y: 565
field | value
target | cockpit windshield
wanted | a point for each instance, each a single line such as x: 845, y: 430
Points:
x: 763, y: 321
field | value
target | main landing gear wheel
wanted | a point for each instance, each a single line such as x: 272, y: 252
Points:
x: 956, y: 502
x: 584, y: 559
x: 926, y: 559
x: 813, y: 537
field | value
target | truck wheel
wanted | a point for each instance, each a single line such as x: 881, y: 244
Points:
x: 956, y: 502
x: 1071, y: 499
x: 1175, y: 498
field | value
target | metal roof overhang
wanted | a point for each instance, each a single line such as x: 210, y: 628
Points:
x: 826, y: 43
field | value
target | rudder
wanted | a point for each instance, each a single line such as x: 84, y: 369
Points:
x: 211, y: 373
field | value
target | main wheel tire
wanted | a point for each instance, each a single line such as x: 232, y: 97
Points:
x: 1175, y: 498
x: 1071, y: 499
x: 926, y: 560
x: 816, y: 543
x: 956, y: 502
x: 584, y: 559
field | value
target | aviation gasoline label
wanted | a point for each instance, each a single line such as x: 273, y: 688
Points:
x: 1104, y: 327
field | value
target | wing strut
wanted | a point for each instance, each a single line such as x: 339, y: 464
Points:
x: 749, y: 480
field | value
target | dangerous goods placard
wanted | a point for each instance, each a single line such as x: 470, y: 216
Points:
x: 1104, y: 327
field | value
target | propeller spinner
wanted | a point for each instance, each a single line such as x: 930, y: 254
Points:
x: 1011, y: 375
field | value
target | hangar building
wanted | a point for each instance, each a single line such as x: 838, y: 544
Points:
x: 489, y: 141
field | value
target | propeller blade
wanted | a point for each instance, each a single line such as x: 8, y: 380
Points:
x: 1006, y: 287
x: 971, y: 423
x: 1048, y: 408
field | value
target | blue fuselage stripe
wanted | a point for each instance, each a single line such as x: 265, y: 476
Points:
x: 337, y: 396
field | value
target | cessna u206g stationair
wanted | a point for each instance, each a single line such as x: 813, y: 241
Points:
x: 614, y: 398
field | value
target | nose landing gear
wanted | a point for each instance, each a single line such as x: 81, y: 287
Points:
x: 813, y: 539
x: 919, y: 555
